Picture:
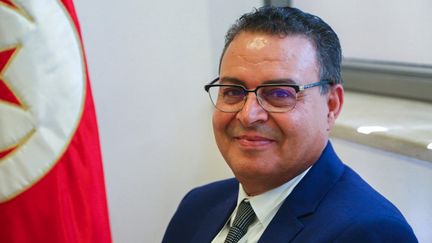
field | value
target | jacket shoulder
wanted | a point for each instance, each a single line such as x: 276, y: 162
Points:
x: 195, y: 205
x: 384, y: 228
x: 355, y: 212
x: 210, y: 194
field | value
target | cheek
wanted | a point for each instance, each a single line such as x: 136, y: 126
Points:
x: 301, y: 125
x: 288, y: 123
x: 315, y: 115
x: 220, y: 122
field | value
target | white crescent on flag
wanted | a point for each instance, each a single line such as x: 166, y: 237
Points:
x: 46, y: 74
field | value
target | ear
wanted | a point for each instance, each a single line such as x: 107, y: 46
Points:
x: 334, y: 103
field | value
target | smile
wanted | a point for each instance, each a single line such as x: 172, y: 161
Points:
x: 253, y: 142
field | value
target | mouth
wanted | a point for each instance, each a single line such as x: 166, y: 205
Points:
x: 248, y: 141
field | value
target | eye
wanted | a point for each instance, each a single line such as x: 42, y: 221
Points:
x: 278, y: 93
x: 279, y: 96
x: 232, y: 95
x: 232, y: 92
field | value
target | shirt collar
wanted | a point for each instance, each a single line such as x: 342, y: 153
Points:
x: 266, y: 204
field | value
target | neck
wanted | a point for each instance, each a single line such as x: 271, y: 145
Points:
x: 255, y: 185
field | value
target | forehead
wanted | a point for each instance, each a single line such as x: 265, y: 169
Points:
x: 261, y: 57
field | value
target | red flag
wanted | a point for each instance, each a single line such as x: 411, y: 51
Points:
x: 51, y: 178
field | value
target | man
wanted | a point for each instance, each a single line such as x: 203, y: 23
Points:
x: 277, y: 98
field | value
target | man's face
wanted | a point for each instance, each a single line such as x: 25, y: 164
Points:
x: 264, y: 149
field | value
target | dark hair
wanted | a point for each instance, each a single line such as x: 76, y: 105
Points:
x: 285, y: 21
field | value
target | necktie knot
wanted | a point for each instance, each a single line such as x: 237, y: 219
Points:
x: 244, y: 217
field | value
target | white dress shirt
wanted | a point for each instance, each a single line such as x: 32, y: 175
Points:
x: 265, y: 207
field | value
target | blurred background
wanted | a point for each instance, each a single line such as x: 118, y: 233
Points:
x: 148, y: 63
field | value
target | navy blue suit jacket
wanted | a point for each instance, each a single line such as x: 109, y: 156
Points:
x: 330, y: 204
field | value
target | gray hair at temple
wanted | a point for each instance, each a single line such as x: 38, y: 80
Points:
x: 287, y: 21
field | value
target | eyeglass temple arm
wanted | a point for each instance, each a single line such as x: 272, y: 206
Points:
x: 207, y: 86
x: 322, y: 82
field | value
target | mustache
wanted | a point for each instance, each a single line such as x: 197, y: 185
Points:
x: 238, y: 130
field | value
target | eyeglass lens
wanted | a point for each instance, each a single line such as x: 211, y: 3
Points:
x: 271, y: 98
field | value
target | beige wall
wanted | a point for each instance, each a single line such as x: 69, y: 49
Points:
x: 399, y: 30
x: 149, y: 61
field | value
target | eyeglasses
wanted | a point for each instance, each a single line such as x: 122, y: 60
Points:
x: 271, y: 97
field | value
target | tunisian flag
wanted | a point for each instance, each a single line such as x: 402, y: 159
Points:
x: 51, y: 178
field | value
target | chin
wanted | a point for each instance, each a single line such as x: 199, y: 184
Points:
x: 254, y: 169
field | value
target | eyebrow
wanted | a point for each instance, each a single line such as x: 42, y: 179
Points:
x: 280, y: 81
x: 231, y: 80
x: 237, y: 81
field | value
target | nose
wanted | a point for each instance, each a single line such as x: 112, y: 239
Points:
x: 252, y: 112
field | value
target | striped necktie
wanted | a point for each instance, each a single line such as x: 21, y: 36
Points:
x: 244, y: 217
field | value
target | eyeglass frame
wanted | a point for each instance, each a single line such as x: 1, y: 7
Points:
x: 297, y: 88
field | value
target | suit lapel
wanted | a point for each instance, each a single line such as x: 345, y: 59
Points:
x: 282, y: 228
x: 216, y: 219
x: 305, y: 198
